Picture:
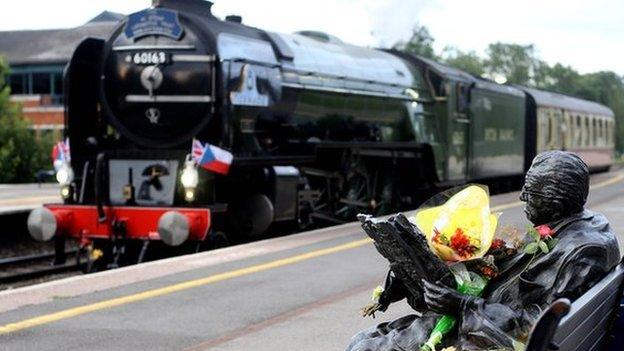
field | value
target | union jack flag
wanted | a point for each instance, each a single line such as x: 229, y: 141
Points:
x: 61, y: 153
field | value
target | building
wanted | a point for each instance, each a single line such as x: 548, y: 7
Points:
x: 37, y: 59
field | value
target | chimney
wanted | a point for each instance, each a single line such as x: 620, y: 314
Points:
x: 234, y: 19
x: 199, y: 7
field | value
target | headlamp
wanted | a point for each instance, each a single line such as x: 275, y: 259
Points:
x: 67, y: 192
x: 189, y: 179
x: 65, y: 174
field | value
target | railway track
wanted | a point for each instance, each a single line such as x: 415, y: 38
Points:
x: 34, y: 266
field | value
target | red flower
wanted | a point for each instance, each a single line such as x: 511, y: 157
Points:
x: 544, y: 231
x: 488, y: 272
x: 497, y: 244
x: 460, y: 243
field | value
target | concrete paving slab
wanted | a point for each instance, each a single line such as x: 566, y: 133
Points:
x: 19, y: 198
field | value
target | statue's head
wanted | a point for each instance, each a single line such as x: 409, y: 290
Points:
x: 556, y: 186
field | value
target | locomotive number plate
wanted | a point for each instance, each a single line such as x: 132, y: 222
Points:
x: 150, y: 58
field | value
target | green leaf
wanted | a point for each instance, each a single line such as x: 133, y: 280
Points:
x: 533, y: 233
x: 552, y: 242
x: 531, y: 248
x: 543, y: 247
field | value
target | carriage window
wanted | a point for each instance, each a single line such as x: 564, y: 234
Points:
x: 587, y: 131
x: 578, y: 132
x: 569, y: 130
x: 544, y: 126
x: 551, y: 131
x: 600, y: 133
x: 437, y: 84
x: 611, y: 132
x: 462, y: 98
x: 594, y: 138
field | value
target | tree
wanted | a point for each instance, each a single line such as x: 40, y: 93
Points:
x: 517, y: 63
x: 466, y: 61
x: 420, y: 43
x: 563, y: 79
x: 20, y: 154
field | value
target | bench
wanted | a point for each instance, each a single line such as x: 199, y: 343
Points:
x: 583, y: 325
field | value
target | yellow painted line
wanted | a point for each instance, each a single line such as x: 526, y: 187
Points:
x: 77, y: 311
x: 94, y: 307
x: 608, y: 182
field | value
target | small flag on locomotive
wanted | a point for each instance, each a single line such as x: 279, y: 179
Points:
x: 60, y: 153
x: 211, y: 157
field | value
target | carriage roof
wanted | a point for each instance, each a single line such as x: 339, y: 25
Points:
x: 549, y: 99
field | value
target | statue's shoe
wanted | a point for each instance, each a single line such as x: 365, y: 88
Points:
x: 407, y: 250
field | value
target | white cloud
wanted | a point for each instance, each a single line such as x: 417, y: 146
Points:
x: 585, y: 35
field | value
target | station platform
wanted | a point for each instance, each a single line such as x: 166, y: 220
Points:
x: 21, y: 198
x: 299, y: 292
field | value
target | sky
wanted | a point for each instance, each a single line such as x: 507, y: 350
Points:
x: 587, y: 35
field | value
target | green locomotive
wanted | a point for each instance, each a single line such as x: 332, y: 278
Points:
x: 319, y: 130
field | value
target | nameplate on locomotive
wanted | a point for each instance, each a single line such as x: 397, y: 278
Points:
x: 153, y: 22
x: 247, y: 93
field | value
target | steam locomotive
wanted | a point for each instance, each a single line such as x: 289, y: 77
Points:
x: 319, y: 130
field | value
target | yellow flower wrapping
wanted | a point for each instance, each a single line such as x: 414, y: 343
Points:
x: 469, y: 209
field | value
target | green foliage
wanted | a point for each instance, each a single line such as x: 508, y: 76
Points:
x: 21, y: 155
x: 466, y: 61
x: 563, y: 79
x: 515, y: 62
x: 420, y: 43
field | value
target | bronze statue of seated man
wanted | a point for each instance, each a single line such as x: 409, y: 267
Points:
x: 555, y: 191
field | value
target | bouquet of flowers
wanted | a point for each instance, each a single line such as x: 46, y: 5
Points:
x: 459, y: 228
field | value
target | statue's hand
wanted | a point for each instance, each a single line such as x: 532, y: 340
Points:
x: 442, y: 299
x: 370, y: 309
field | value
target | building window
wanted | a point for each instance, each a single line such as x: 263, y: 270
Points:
x: 57, y: 86
x: 18, y: 84
x: 41, y: 83
x: 40, y: 80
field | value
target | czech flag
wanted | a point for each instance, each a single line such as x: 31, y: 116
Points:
x: 211, y: 157
x: 60, y: 153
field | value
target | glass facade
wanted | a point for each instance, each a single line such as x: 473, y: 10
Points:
x: 41, y: 80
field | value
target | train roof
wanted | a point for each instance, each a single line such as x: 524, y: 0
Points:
x: 447, y: 71
x: 461, y: 76
x: 334, y: 58
x: 566, y: 102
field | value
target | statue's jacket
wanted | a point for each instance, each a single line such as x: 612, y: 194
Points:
x: 585, y: 252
